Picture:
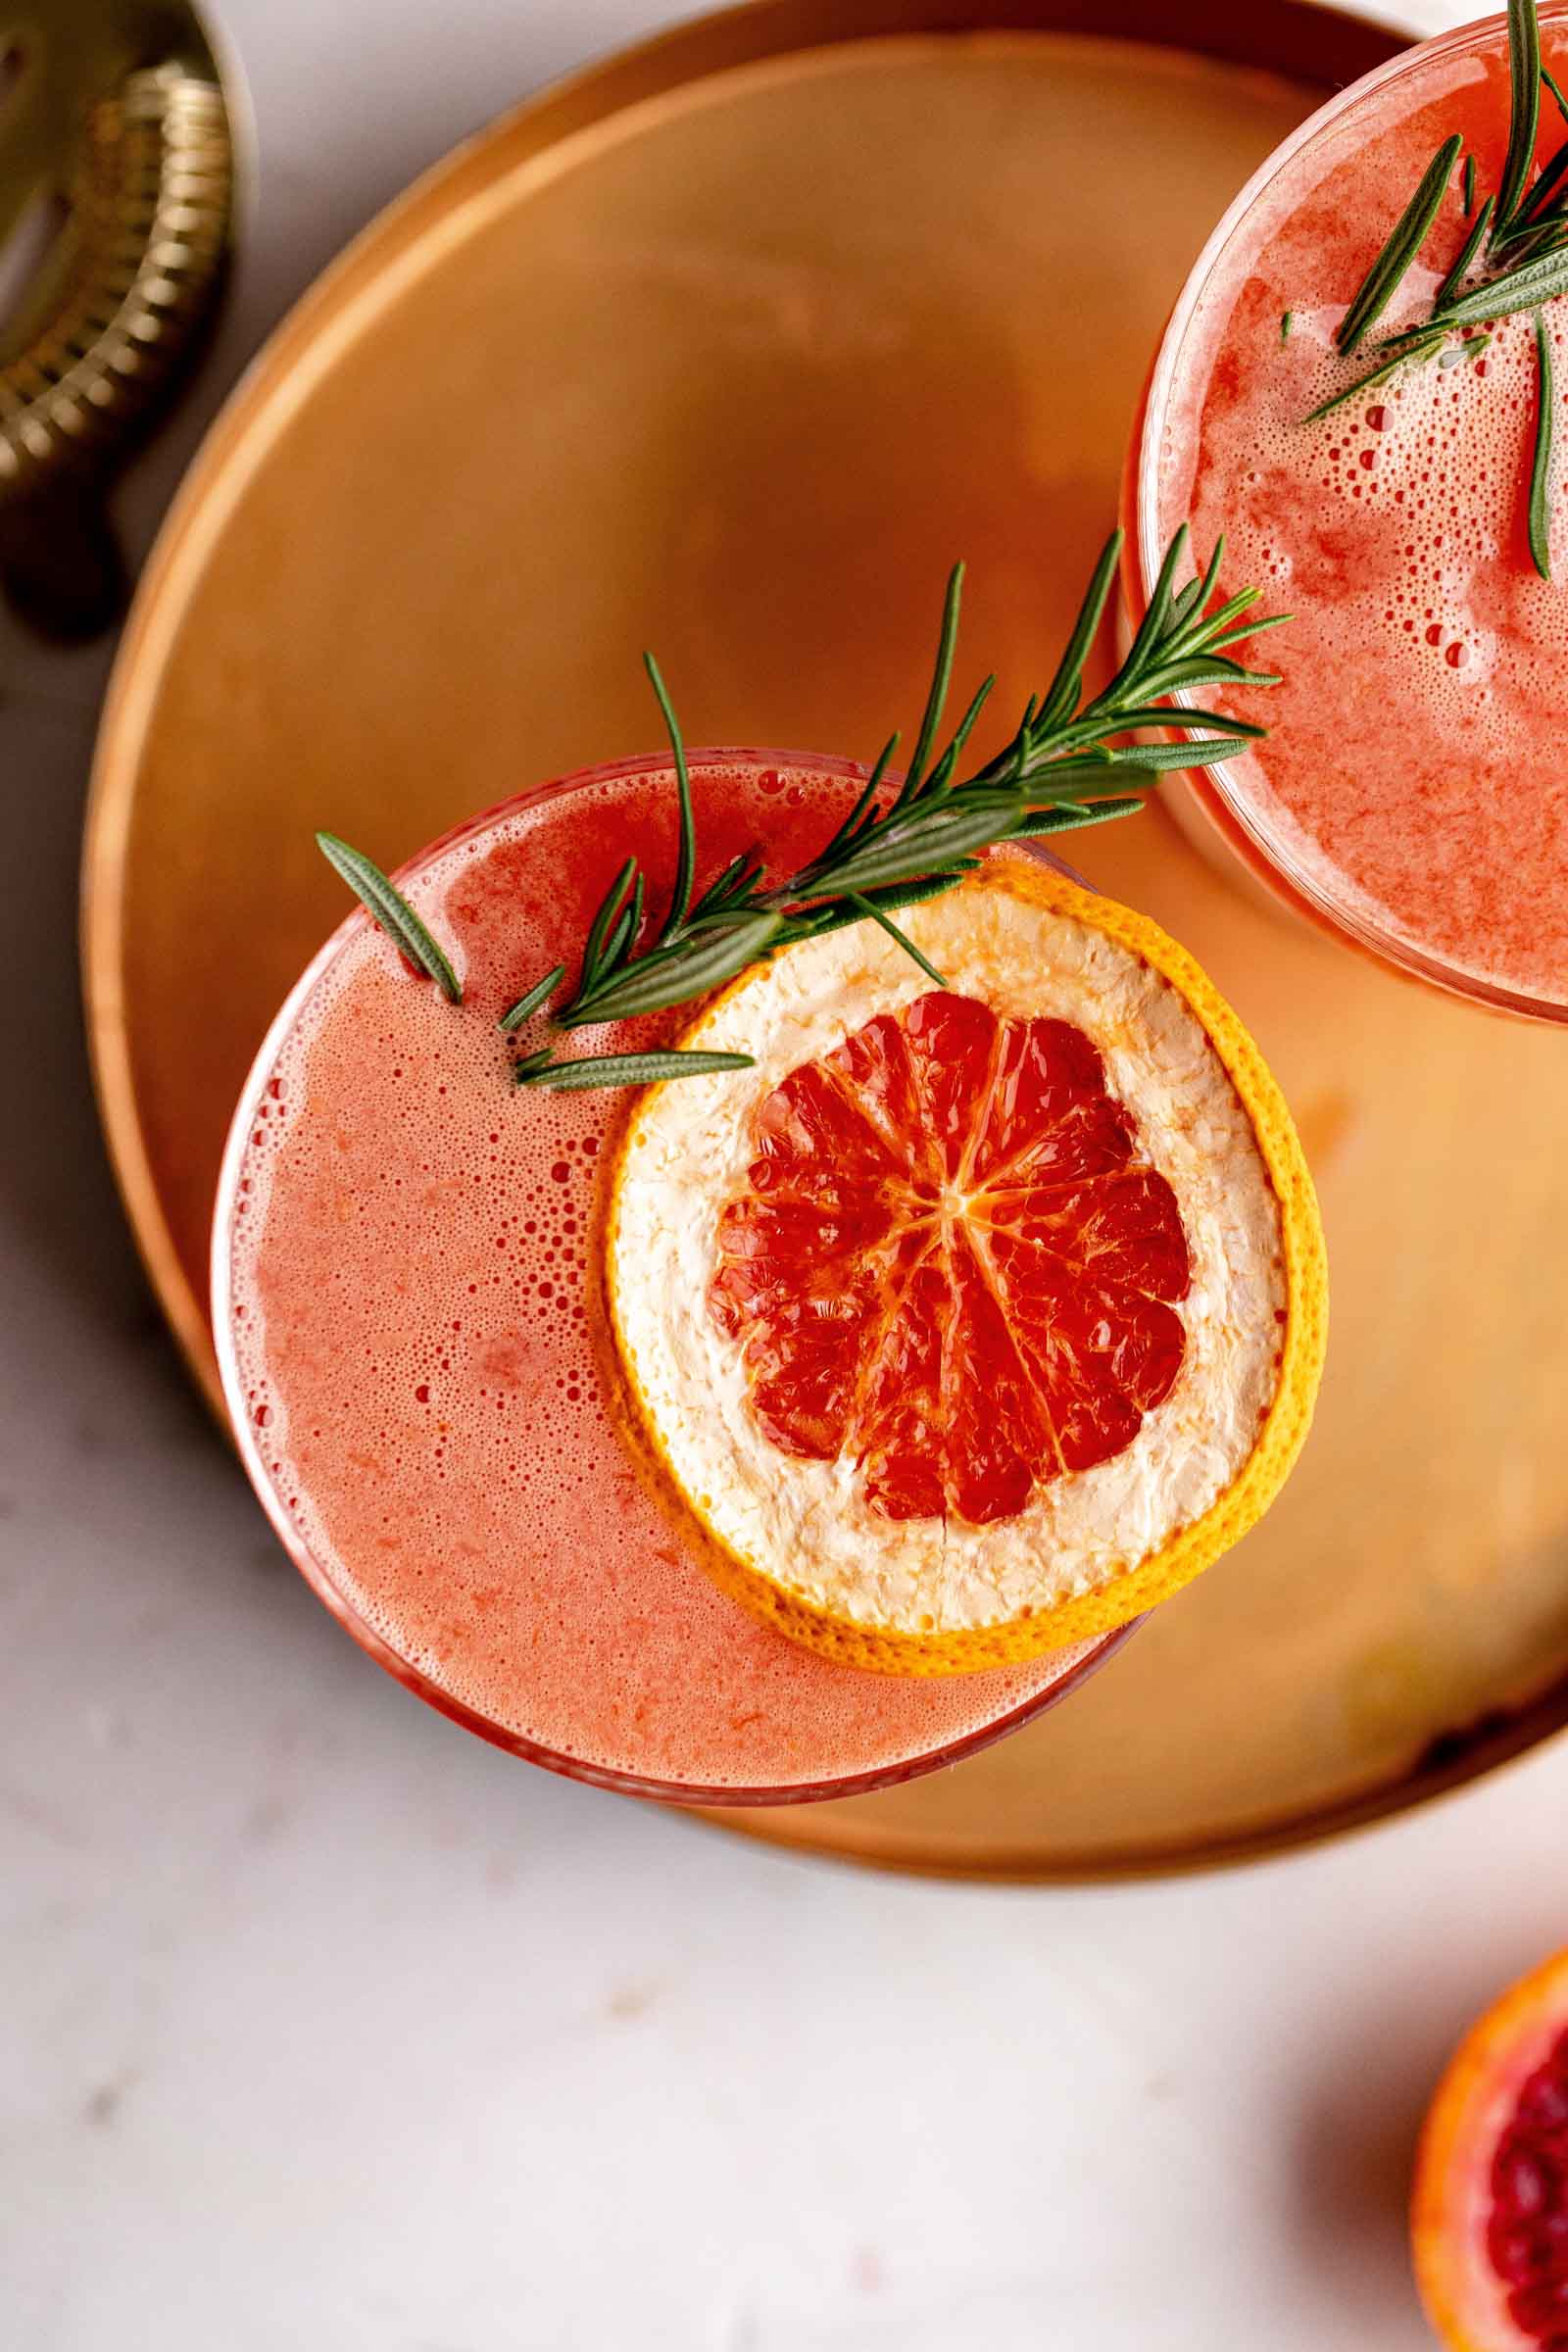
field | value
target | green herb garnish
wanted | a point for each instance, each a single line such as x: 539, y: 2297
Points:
x: 1287, y: 322
x: 1518, y: 289
x: 903, y: 841
x: 1524, y: 110
x: 1547, y: 180
x: 533, y: 1000
x: 1404, y: 241
x: 391, y: 910
x: 1465, y: 260
x: 625, y: 1069
x: 873, y: 912
x: 1541, y: 464
x: 1418, y: 347
x: 1523, y: 228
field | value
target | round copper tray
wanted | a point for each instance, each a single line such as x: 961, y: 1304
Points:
x: 729, y: 345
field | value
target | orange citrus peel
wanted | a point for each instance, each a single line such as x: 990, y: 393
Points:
x: 1453, y: 2196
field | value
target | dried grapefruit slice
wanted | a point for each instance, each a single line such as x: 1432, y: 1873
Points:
x: 1490, y: 2214
x: 972, y: 1320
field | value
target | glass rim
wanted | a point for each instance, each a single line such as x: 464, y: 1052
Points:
x: 1280, y: 867
x: 375, y: 1645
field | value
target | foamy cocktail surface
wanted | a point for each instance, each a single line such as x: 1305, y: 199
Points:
x: 1413, y: 769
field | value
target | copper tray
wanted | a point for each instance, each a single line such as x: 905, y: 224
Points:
x: 729, y: 346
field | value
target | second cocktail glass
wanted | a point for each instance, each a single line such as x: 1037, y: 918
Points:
x: 1409, y: 798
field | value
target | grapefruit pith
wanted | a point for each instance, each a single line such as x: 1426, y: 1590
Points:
x: 971, y: 1320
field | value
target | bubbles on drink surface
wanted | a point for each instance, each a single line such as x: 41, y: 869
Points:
x: 1424, y: 665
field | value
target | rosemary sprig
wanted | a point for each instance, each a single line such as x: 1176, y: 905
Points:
x: 681, y: 964
x: 1404, y: 241
x: 1523, y: 228
x: 905, y: 841
x: 1531, y: 282
x: 391, y: 910
x: 1521, y: 288
x: 1524, y: 287
x: 1539, y: 525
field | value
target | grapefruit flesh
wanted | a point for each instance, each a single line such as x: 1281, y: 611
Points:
x: 952, y: 1263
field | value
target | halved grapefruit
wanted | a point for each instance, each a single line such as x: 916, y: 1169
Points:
x: 973, y: 1319
x: 1489, y: 2213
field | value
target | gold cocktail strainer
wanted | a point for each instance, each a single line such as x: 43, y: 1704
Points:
x: 115, y: 184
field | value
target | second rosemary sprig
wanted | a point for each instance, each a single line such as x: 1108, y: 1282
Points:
x: 1514, y: 259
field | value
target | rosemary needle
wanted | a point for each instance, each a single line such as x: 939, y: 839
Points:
x: 1541, y: 464
x: 1418, y: 347
x: 535, y: 998
x: 630, y: 1069
x: 1404, y: 241
x: 899, y: 938
x: 391, y: 910
x: 1466, y: 258
x: 686, y: 860
x: 1519, y: 289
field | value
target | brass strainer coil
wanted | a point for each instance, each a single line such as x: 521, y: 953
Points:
x: 147, y: 227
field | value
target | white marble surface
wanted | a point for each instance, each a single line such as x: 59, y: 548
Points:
x: 321, y: 2025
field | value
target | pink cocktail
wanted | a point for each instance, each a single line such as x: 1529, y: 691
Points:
x: 1412, y: 794
x: 408, y: 1297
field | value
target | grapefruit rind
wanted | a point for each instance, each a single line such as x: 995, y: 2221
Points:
x: 1450, y: 2203
x: 1285, y: 1422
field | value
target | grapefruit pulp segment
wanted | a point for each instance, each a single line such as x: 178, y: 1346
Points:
x: 948, y: 1232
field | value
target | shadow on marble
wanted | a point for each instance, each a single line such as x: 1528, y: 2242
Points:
x: 1354, y: 2152
x: 57, y: 1197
